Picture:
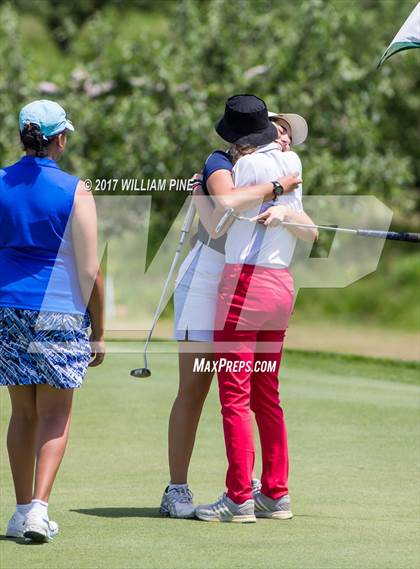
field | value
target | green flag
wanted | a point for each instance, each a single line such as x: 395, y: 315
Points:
x: 407, y: 38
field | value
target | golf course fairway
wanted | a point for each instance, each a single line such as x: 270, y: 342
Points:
x: 354, y: 444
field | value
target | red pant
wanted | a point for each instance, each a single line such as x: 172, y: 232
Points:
x: 253, y: 311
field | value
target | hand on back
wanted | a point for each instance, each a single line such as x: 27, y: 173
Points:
x: 290, y: 182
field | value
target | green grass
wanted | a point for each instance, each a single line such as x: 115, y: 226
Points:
x: 354, y: 445
x: 355, y: 366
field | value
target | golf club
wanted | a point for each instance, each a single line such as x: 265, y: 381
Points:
x: 390, y: 235
x: 144, y: 371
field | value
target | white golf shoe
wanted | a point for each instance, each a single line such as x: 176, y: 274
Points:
x: 225, y: 510
x: 38, y: 528
x: 15, y: 525
x: 177, y: 503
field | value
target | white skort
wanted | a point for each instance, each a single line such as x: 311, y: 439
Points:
x: 195, y: 297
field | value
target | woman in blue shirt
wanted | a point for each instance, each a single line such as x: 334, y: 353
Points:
x: 51, y: 292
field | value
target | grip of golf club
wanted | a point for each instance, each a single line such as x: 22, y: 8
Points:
x: 404, y: 236
x: 391, y: 235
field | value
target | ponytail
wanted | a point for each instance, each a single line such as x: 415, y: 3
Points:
x: 33, y: 139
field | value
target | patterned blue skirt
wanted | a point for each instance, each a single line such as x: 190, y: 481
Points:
x: 43, y: 348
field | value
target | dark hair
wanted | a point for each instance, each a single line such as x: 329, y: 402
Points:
x: 33, y: 139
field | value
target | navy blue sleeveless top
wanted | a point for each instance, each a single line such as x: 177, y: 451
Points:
x: 218, y: 160
x: 37, y: 262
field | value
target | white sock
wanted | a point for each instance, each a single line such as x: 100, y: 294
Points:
x: 172, y: 486
x: 40, y: 507
x: 23, y: 508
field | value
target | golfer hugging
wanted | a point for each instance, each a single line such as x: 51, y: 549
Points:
x: 233, y: 300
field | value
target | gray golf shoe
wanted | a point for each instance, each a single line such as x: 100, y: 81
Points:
x: 266, y: 507
x: 224, y: 510
x: 256, y: 485
x: 177, y: 503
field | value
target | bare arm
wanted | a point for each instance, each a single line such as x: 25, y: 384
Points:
x: 220, y: 186
x: 85, y: 242
x: 306, y: 234
x: 225, y: 195
x: 209, y: 214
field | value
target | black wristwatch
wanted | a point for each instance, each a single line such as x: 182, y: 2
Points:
x: 278, y: 189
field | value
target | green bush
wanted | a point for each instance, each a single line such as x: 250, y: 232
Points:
x: 144, y: 83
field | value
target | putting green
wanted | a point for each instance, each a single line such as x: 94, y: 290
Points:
x: 354, y: 444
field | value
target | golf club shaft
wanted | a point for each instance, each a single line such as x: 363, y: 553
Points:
x: 184, y: 232
x: 391, y: 235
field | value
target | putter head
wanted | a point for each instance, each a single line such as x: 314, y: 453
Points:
x: 224, y: 219
x: 141, y: 373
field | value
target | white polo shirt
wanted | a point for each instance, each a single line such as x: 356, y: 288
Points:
x: 252, y: 243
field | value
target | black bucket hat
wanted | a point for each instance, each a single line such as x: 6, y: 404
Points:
x: 246, y: 121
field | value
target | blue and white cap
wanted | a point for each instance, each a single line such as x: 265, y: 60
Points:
x: 48, y: 115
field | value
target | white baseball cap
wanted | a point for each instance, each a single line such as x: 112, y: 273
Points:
x: 298, y: 126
